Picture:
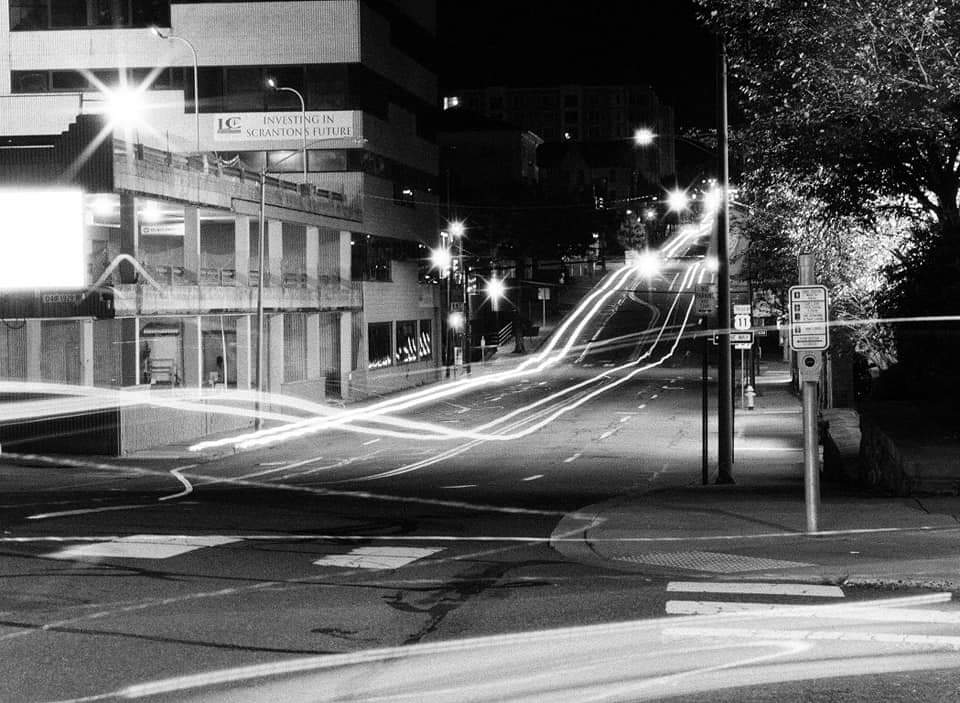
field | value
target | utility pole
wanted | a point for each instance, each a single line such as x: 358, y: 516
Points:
x: 261, y: 225
x: 724, y: 369
x: 810, y: 365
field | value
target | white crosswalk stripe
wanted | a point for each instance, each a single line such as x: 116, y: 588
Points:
x: 377, y: 557
x: 141, y: 547
x: 778, y: 591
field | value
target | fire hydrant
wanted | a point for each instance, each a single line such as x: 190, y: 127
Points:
x: 750, y: 396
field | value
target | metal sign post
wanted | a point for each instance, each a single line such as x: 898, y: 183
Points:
x: 809, y: 337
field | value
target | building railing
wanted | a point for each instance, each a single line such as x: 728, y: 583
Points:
x: 204, y: 165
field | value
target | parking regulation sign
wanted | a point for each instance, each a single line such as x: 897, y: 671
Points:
x: 809, y: 328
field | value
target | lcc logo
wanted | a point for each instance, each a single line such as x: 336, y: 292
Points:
x: 228, y: 125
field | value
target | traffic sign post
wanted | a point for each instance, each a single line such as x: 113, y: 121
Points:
x: 809, y: 337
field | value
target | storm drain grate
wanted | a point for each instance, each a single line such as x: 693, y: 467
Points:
x: 715, y: 562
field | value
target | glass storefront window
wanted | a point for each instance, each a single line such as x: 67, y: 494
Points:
x: 407, y: 343
x: 378, y: 344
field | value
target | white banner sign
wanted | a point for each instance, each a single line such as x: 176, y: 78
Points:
x: 271, y: 126
x: 169, y: 229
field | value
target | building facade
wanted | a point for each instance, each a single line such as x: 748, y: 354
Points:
x: 348, y: 198
x: 588, y: 113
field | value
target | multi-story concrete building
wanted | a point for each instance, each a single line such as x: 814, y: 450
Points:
x: 177, y: 190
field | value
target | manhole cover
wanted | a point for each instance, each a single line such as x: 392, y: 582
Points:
x: 715, y: 562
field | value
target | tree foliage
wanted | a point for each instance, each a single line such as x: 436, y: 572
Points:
x: 860, y: 99
x: 852, y: 257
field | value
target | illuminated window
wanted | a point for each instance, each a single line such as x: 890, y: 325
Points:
x: 379, y: 352
x: 407, y: 342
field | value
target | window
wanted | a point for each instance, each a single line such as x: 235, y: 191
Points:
x: 28, y: 14
x: 570, y: 101
x: 370, y: 259
x: 59, y: 14
x: 379, y: 353
x: 407, y: 342
x: 426, y: 339
x: 294, y: 347
x: 570, y: 116
x: 244, y: 89
x: 496, y: 102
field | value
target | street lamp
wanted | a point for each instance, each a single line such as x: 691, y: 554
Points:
x: 677, y: 200
x: 196, y: 94
x: 645, y: 137
x: 303, y: 118
x: 457, y: 231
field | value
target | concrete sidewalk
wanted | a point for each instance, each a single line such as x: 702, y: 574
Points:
x: 755, y: 529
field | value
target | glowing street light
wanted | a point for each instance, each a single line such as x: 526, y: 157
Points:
x: 124, y: 106
x: 455, y: 320
x: 678, y: 200
x: 441, y: 258
x: 303, y: 118
x: 648, y: 264
x: 496, y: 291
x: 644, y: 136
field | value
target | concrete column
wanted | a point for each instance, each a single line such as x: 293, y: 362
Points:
x: 273, y: 371
x: 346, y: 352
x: 241, y: 249
x: 86, y: 352
x: 192, y: 372
x: 130, y: 371
x: 314, y: 354
x: 34, y: 350
x: 191, y: 242
x: 275, y: 251
x: 129, y: 236
x: 345, y: 257
x: 313, y: 255
x: 245, y: 353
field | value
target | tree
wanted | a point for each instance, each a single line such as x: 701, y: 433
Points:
x: 859, y: 98
x: 851, y: 258
x: 858, y: 103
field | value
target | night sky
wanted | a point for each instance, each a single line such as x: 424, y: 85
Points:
x: 533, y: 42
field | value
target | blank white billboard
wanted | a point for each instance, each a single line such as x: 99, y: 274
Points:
x: 41, y: 238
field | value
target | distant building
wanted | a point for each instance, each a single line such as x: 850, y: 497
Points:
x: 178, y: 191
x: 480, y: 156
x: 585, y: 113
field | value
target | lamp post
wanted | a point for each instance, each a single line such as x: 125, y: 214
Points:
x: 442, y: 260
x: 457, y: 231
x: 725, y: 371
x: 303, y: 118
x: 196, y: 95
x: 645, y: 136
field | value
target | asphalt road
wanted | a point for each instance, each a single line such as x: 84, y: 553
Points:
x: 117, y: 573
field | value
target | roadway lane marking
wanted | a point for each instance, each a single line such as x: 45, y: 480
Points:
x: 534, y: 477
x: 641, y: 407
x: 654, y: 396
x: 377, y: 558
x: 570, y: 459
x: 141, y: 547
x: 463, y: 485
x: 85, y: 511
x: 372, y: 441
x: 770, y: 589
x: 607, y: 434
x: 624, y: 419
